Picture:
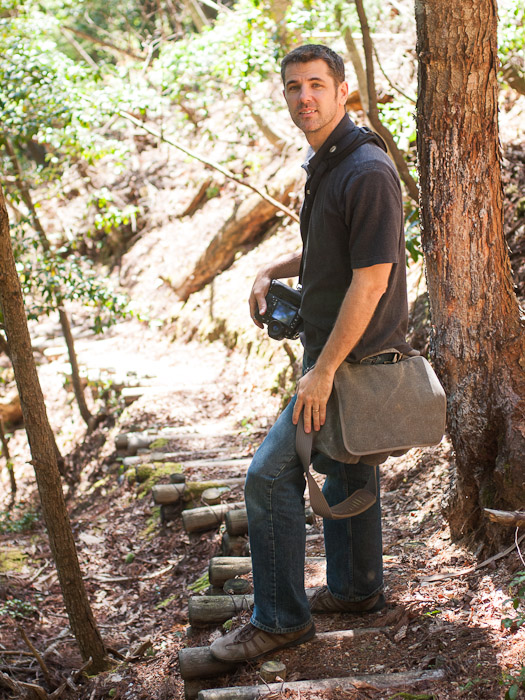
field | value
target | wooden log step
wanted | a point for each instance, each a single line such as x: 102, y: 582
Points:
x: 383, y: 681
x: 170, y: 433
x: 152, y: 457
x: 237, y: 521
x: 223, y: 568
x: 241, y: 462
x: 235, y: 546
x: 173, y: 493
x: 214, y: 610
x: 207, y: 517
x: 198, y: 662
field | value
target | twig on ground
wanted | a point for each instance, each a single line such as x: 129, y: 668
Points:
x: 471, y: 569
x: 37, y: 656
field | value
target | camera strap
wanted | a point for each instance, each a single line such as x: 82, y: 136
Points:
x: 356, y: 503
x: 333, y: 156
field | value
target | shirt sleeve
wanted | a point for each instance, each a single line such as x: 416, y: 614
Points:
x: 374, y: 216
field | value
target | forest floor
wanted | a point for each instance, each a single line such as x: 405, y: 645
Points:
x: 139, y: 570
x: 218, y: 401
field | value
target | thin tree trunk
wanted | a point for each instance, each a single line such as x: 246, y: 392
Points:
x: 373, y: 113
x: 64, y: 320
x: 479, y: 344
x: 42, y: 444
x: 357, y: 64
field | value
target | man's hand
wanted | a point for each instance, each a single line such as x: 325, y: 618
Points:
x: 258, y: 295
x: 313, y: 392
x: 285, y: 266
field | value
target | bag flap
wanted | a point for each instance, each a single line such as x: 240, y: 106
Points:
x: 387, y: 407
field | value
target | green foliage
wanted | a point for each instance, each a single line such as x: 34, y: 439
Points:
x: 18, y: 609
x: 515, y: 682
x: 511, y: 28
x: 21, y: 519
x: 48, y: 280
x: 517, y: 588
x: 412, y: 233
x: 201, y: 584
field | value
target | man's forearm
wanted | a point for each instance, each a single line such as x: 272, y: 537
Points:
x: 354, y: 316
x: 285, y: 266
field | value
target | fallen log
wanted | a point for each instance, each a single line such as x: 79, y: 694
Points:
x: 211, y: 610
x: 383, y: 681
x: 236, y: 521
x: 173, y: 493
x: 198, y: 662
x: 207, y: 517
x: 248, y: 223
x: 223, y: 568
x: 505, y: 517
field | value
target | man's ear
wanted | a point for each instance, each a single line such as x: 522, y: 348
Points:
x: 343, y: 92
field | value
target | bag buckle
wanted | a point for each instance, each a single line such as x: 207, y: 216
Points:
x: 383, y: 358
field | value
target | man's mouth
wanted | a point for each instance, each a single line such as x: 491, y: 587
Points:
x: 306, y: 112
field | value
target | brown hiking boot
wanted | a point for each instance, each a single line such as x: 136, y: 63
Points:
x: 249, y: 642
x: 323, y: 601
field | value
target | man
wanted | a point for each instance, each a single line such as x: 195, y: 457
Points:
x: 354, y: 307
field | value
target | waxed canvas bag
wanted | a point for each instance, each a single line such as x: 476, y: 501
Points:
x: 374, y: 411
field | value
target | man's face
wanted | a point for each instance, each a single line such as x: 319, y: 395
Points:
x: 315, y: 103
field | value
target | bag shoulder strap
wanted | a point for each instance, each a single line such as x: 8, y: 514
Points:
x: 356, y: 503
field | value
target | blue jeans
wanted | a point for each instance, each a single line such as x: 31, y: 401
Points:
x: 274, y: 495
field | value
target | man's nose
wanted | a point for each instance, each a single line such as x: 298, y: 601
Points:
x: 304, y: 95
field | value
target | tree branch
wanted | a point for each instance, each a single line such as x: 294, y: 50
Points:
x: 101, y: 42
x: 213, y: 165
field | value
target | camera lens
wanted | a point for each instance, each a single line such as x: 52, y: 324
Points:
x: 276, y: 330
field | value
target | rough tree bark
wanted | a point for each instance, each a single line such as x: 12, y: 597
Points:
x: 42, y: 444
x: 479, y: 344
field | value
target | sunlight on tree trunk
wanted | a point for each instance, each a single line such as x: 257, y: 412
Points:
x: 479, y: 343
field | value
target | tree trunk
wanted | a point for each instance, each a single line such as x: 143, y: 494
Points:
x: 42, y: 444
x: 479, y: 344
x: 64, y: 320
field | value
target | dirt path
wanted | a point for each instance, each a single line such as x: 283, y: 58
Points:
x: 139, y: 569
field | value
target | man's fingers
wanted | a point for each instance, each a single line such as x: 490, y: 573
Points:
x: 297, y: 411
x: 253, y: 308
x: 316, y: 420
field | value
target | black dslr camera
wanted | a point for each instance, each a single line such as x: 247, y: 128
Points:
x: 282, y: 311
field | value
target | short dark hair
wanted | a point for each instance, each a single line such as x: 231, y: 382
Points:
x: 314, y: 52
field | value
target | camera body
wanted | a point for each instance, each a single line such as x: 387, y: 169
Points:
x: 282, y: 311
